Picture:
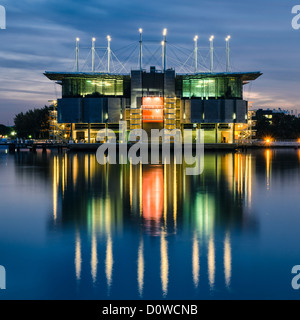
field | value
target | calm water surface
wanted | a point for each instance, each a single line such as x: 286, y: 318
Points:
x: 73, y: 229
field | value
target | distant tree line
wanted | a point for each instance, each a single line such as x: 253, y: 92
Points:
x: 33, y: 123
x: 4, y: 130
x: 281, y: 126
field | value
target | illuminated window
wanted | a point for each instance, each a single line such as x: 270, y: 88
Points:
x: 75, y: 87
x: 217, y: 87
x: 153, y: 109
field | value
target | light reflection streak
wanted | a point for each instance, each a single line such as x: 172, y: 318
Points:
x: 164, y: 263
x: 268, y: 166
x: 211, y: 262
x: 165, y: 194
x: 130, y: 183
x: 153, y: 193
x: 175, y: 195
x: 141, y: 189
x: 63, y: 176
x: 78, y: 260
x: 141, y: 267
x: 227, y: 260
x: 54, y: 190
x: 75, y: 170
x: 109, y: 261
x: 196, y: 261
x: 94, y: 258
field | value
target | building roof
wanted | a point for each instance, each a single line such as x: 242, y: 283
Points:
x: 58, y: 76
x: 246, y: 76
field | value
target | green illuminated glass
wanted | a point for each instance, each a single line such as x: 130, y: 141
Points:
x: 217, y: 87
x: 79, y: 87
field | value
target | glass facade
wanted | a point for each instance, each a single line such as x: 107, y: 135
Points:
x: 80, y: 87
x: 214, y: 87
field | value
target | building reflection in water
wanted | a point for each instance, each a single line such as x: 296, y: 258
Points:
x: 196, y: 261
x: 78, y: 256
x: 159, y: 201
x: 211, y: 262
x: 109, y: 261
x: 227, y: 260
x: 164, y: 263
x: 152, y: 193
x: 140, y: 268
x: 268, y: 166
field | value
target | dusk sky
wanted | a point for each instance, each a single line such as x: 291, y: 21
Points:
x: 40, y: 36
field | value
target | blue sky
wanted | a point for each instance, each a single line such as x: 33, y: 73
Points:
x: 40, y: 36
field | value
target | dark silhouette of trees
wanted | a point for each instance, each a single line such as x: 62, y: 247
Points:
x: 4, y: 130
x: 34, y: 123
x: 281, y: 126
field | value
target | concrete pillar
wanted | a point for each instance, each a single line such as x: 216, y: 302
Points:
x: 89, y: 133
x: 233, y: 133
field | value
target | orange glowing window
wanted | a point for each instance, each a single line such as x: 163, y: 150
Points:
x: 153, y: 103
x: 153, y: 115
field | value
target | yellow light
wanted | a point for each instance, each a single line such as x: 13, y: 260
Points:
x: 165, y: 32
x: 94, y: 39
x: 196, y: 38
x: 162, y: 43
x: 268, y: 140
x: 77, y: 39
x: 108, y: 38
x: 140, y: 30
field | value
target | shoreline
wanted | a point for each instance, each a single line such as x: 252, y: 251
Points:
x: 81, y: 147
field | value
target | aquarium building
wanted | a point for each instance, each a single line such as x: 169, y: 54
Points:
x: 153, y: 99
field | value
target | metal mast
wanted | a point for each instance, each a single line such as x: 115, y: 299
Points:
x: 141, y: 48
x: 164, y: 49
x: 196, y: 53
x: 77, y: 55
x: 211, y: 40
x: 162, y: 54
x: 93, y: 54
x: 108, y: 53
x: 227, y: 54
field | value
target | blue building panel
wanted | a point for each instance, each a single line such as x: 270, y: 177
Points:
x: 95, y: 110
x: 218, y: 111
x: 69, y: 110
